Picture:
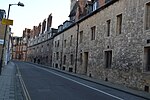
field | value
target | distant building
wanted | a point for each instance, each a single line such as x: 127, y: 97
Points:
x: 25, y: 37
x: 2, y: 27
x: 2, y: 14
x: 17, y: 48
x: 40, y: 41
x: 8, y: 43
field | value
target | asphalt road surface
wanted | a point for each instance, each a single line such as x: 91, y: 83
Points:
x: 48, y: 84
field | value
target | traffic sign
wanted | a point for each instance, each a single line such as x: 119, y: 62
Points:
x: 7, y: 22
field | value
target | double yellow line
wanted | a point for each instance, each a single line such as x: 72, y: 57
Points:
x: 25, y: 91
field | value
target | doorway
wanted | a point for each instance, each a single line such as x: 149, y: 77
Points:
x: 85, y: 62
x: 147, y: 58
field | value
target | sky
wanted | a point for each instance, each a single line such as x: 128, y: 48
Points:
x: 34, y: 12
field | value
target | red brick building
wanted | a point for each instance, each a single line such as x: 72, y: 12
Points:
x: 20, y: 46
x: 17, y: 48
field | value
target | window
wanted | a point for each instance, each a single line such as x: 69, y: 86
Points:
x: 147, y: 58
x: 42, y: 49
x: 47, y: 47
x: 64, y: 59
x: 85, y: 61
x: 95, y: 4
x: 56, y: 65
x: 58, y: 43
x: 146, y: 88
x: 37, y: 49
x: 51, y: 59
x: 147, y: 21
x: 108, y: 27
x: 54, y: 55
x: 70, y: 69
x: 93, y: 33
x: 108, y: 59
x: 55, y: 43
x: 106, y: 1
x: 71, y: 58
x: 71, y: 41
x: 81, y: 60
x: 57, y: 55
x: 81, y: 36
x: 119, y: 24
x: 65, y: 41
x: 46, y: 58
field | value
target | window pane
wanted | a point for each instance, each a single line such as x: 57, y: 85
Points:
x: 108, y: 59
x: 147, y: 16
x: 93, y: 33
x: 119, y: 24
x: 81, y: 36
x: 108, y: 28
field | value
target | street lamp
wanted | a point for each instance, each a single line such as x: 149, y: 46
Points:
x: 1, y: 61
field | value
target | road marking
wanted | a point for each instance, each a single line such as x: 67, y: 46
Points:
x: 25, y: 91
x: 81, y: 83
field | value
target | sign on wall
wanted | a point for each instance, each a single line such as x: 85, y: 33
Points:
x: 7, y: 22
x: 1, y: 41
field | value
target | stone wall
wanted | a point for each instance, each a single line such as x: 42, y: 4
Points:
x: 127, y: 48
x: 57, y: 51
x: 70, y: 48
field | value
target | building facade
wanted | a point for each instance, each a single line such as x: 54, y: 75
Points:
x: 17, y: 48
x: 40, y: 43
x: 2, y: 29
x: 24, y: 42
x: 104, y: 39
x: 6, y: 54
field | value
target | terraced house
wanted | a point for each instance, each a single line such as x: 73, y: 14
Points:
x: 40, y: 42
x: 104, y: 39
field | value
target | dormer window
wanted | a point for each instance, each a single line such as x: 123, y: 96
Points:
x: 95, y: 4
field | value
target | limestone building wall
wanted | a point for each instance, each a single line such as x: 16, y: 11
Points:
x: 124, y: 44
x: 57, y: 51
x: 126, y: 47
x: 69, y: 48
x: 111, y: 43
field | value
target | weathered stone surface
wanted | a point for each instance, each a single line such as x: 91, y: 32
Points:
x: 128, y: 56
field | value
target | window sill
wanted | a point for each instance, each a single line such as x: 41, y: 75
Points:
x: 147, y: 31
x: 146, y: 72
x: 107, y: 37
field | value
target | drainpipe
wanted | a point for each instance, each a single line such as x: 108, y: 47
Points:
x: 62, y: 51
x: 76, y: 59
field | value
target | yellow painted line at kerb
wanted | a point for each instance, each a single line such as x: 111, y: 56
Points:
x: 25, y: 91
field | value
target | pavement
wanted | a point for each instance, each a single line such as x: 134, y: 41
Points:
x: 9, y: 84
x: 10, y: 88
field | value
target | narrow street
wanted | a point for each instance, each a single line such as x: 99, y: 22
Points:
x: 47, y: 84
